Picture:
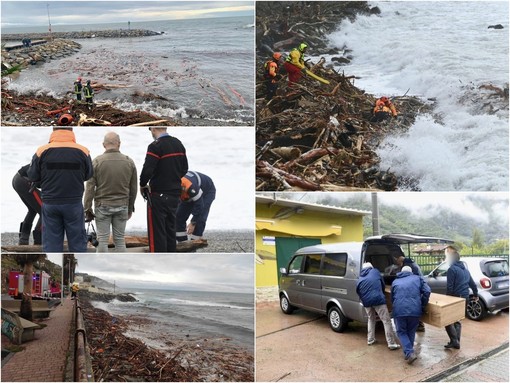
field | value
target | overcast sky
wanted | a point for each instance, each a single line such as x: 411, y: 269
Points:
x: 204, y: 272
x: 33, y: 13
x: 424, y: 203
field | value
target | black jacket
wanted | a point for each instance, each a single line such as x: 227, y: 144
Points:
x: 165, y: 164
x: 61, y: 167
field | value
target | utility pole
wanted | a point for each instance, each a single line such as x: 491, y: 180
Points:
x: 114, y: 287
x: 49, y: 20
x: 375, y: 215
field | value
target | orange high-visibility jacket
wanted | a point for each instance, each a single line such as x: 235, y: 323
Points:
x: 381, y: 106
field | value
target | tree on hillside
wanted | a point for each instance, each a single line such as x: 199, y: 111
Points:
x: 477, y: 241
x: 27, y: 262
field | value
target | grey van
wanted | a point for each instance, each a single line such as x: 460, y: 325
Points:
x: 322, y: 278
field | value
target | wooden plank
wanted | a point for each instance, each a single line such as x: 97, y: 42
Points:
x: 441, y: 310
x: 131, y: 242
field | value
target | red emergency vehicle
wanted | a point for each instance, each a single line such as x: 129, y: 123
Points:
x: 41, y: 285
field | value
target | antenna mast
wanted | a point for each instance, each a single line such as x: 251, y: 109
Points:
x: 49, y: 20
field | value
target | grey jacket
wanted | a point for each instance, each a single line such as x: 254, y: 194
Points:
x: 114, y: 182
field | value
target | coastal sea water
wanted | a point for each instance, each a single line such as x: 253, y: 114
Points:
x: 162, y: 315
x: 225, y: 154
x: 443, y: 51
x: 202, y: 68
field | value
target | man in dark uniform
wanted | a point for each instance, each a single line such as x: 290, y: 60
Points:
x: 78, y: 88
x: 197, y: 196
x: 160, y: 183
x: 458, y: 282
x: 31, y: 197
x: 88, y: 92
x: 62, y: 166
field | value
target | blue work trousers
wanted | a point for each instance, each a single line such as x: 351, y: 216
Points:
x: 186, y: 209
x: 60, y: 219
x: 406, y: 332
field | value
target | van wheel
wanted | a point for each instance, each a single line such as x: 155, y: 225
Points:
x: 286, y: 307
x: 337, y: 320
x: 476, y: 310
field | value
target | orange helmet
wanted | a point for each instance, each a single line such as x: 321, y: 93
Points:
x: 277, y: 56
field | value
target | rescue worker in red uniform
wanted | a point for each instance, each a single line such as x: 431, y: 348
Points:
x: 271, y: 75
x: 197, y: 196
x: 384, y: 109
x: 160, y: 183
x: 31, y: 197
x: 295, y: 63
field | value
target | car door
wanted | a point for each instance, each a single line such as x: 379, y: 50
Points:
x: 291, y: 281
x: 437, y: 278
x: 311, y: 282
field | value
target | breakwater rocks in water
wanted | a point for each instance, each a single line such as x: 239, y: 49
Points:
x: 51, y: 50
x: 107, y: 297
x: 113, y: 34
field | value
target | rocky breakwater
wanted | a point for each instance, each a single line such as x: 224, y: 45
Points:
x: 113, y: 34
x: 52, y: 50
x: 107, y: 297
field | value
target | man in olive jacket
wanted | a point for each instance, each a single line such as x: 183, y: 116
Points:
x: 113, y: 189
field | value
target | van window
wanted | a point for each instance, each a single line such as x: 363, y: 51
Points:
x: 312, y: 264
x: 334, y: 264
x: 295, y: 265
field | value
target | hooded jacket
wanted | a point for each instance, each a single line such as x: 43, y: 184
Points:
x: 458, y: 281
x: 409, y: 295
x: 370, y: 288
x: 61, y: 167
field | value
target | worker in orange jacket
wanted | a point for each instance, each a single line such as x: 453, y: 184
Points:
x: 384, y: 109
x: 295, y: 63
x: 271, y: 75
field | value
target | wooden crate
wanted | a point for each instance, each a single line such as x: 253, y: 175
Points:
x: 441, y: 310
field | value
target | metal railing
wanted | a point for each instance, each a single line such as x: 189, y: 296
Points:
x: 82, y: 369
x: 428, y: 263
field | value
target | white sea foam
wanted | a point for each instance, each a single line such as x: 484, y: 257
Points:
x: 440, y: 50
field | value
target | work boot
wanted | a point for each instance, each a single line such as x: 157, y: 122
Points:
x: 458, y: 329
x: 411, y: 358
x: 24, y: 238
x: 452, y: 334
x: 421, y: 327
x: 37, y: 234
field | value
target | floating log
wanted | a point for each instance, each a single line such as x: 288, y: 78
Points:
x: 131, y: 242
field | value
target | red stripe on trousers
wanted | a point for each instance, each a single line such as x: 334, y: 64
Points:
x: 37, y: 198
x: 151, y: 230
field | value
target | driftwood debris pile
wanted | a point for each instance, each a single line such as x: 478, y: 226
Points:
x: 42, y: 110
x: 315, y: 136
x: 118, y: 358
